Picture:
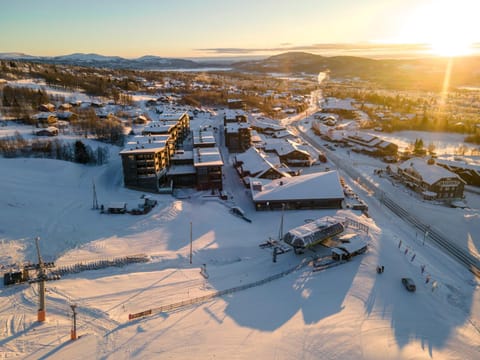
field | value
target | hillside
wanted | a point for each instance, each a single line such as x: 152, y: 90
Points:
x: 426, y: 73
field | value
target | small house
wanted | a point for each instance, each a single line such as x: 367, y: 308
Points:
x: 49, y: 131
x: 45, y: 119
x: 347, y: 249
x: 117, y: 208
x: 46, y: 107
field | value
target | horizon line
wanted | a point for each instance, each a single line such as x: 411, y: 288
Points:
x: 362, y: 49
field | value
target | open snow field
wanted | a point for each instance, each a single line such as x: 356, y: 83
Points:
x: 346, y: 312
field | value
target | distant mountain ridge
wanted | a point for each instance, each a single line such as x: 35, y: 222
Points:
x: 146, y: 62
x: 302, y: 62
x: 421, y: 73
x: 427, y: 73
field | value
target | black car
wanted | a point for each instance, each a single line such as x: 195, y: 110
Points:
x: 409, y: 284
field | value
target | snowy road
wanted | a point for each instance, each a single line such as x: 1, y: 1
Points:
x: 467, y: 259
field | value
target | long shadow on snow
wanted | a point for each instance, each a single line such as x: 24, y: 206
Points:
x: 271, y: 305
x: 419, y: 315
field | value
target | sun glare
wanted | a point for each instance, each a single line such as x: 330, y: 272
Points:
x: 454, y: 46
x: 448, y: 28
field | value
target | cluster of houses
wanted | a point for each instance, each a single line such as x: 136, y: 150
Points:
x: 359, y: 142
x: 372, y: 145
x: 266, y: 167
x: 434, y: 179
x: 167, y: 153
x: 50, y: 118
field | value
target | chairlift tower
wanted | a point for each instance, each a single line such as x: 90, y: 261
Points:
x: 280, y: 236
x: 41, y: 278
x: 41, y: 285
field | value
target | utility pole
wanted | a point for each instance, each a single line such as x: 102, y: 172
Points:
x: 95, y: 200
x: 280, y: 231
x: 191, y: 246
x: 41, y: 285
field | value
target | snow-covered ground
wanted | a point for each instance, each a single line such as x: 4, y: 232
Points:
x: 345, y: 312
x: 51, y: 90
x: 445, y: 143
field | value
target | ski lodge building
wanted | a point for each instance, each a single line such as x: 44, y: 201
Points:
x: 431, y: 180
x: 311, y: 191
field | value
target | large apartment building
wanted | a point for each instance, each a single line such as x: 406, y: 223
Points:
x: 208, y: 165
x: 176, y: 125
x: 145, y: 159
x: 237, y: 131
x: 238, y: 137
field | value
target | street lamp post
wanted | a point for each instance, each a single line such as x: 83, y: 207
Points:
x: 425, y: 235
x: 191, y: 245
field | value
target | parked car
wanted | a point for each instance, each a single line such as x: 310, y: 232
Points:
x: 237, y: 211
x: 409, y: 284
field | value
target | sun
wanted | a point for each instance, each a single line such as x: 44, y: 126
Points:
x: 451, y: 46
x: 447, y: 28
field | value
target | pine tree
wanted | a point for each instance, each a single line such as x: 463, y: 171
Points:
x: 81, y: 154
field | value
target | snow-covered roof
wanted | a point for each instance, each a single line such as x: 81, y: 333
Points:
x: 43, y: 115
x: 181, y: 170
x: 264, y: 123
x: 308, y: 149
x: 171, y: 116
x: 157, y: 127
x: 369, y: 139
x: 326, y: 116
x: 117, y: 205
x: 350, y: 246
x: 255, y: 137
x: 283, y: 133
x: 50, y: 129
x: 64, y: 114
x: 209, y: 156
x: 142, y: 144
x: 234, y: 127
x: 232, y: 114
x: 203, y: 137
x: 283, y: 147
x: 311, y: 227
x: 428, y: 173
x: 384, y: 144
x: 254, y: 161
x: 324, y: 185
x: 459, y: 164
x: 182, y: 155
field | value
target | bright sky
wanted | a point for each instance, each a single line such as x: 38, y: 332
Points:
x: 191, y: 28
